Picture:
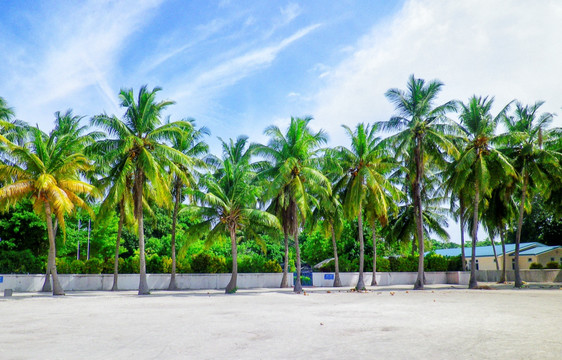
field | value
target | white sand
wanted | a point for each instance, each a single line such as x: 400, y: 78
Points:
x: 439, y: 323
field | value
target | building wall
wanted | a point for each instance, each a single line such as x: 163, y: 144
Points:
x: 525, y: 261
x: 548, y: 256
x: 487, y: 262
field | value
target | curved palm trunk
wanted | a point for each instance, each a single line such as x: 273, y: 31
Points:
x: 337, y: 281
x: 50, y: 260
x: 57, y: 288
x: 285, y: 279
x: 138, y: 185
x: 374, y: 280
x: 518, y: 281
x: 495, y: 253
x: 418, y: 158
x: 231, y: 287
x: 472, y: 283
x: 117, y: 245
x: 461, y: 218
x: 298, y: 284
x: 173, y: 285
x: 361, y: 283
x: 503, y: 277
x: 47, y: 283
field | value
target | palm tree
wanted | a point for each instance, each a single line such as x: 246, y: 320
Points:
x: 11, y: 130
x: 328, y: 216
x: 402, y: 226
x: 364, y: 166
x: 480, y: 166
x: 6, y: 113
x: 192, y: 146
x: 422, y: 129
x: 120, y: 196
x: 459, y: 214
x: 537, y: 165
x: 139, y: 149
x: 48, y: 170
x: 68, y: 127
x: 294, y: 177
x: 499, y: 214
x: 229, y: 205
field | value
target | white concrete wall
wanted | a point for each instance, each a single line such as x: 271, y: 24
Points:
x: 25, y: 283
x: 72, y: 282
x: 389, y: 278
x: 542, y: 275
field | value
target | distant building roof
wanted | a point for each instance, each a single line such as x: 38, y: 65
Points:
x: 483, y: 251
x: 538, y: 250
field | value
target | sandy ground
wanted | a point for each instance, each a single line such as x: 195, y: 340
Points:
x: 443, y: 322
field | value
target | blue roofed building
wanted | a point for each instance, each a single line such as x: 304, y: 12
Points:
x: 529, y: 253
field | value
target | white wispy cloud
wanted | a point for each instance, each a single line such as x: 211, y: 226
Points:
x: 507, y: 49
x: 290, y: 12
x: 210, y: 82
x: 82, y: 46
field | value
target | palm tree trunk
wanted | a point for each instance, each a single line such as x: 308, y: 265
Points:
x: 472, y: 283
x: 418, y: 213
x: 57, y: 288
x: 461, y: 218
x: 118, y: 245
x: 285, y: 279
x: 503, y: 277
x: 495, y: 253
x: 138, y: 192
x: 231, y: 287
x: 173, y: 285
x: 361, y: 283
x: 47, y: 283
x: 298, y: 284
x: 337, y: 281
x: 518, y: 281
x: 50, y: 260
x: 374, y: 280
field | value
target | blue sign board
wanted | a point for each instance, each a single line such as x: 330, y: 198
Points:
x: 328, y: 276
x: 1, y: 279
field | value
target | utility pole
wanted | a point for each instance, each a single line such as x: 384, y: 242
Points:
x: 78, y: 241
x: 89, y: 221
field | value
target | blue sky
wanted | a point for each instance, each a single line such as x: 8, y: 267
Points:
x: 239, y: 66
x: 234, y: 66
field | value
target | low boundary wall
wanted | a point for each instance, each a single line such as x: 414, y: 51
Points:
x: 72, y: 282
x: 536, y: 275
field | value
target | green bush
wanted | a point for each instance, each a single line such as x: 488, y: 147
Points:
x: 535, y: 266
x: 347, y: 265
x: 21, y: 262
x: 254, y: 263
x: 108, y: 265
x: 93, y: 266
x: 434, y: 262
x: 403, y: 264
x: 154, y: 264
x: 205, y: 263
x: 130, y: 265
x: 167, y: 265
x: 454, y: 263
x: 183, y: 266
x: 63, y: 266
x: 77, y: 267
x: 272, y: 266
x: 552, y: 265
x: 383, y: 265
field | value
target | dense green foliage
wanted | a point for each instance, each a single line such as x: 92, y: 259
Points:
x: 130, y: 199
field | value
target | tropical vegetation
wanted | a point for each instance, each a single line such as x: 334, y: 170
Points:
x: 160, y: 202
